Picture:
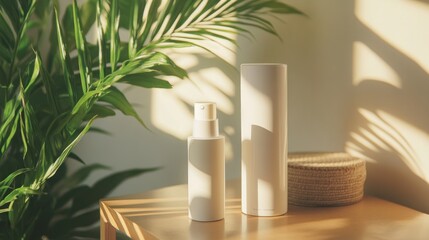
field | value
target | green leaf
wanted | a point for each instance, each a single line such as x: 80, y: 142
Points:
x: 84, y: 64
x: 21, y: 191
x: 146, y: 81
x: 9, y: 125
x: 149, y: 17
x: 162, y: 21
x: 114, y: 35
x: 24, y: 45
x: 6, y: 33
x: 74, y: 156
x: 101, y: 41
x: 144, y: 64
x: 64, y: 59
x: 155, y: 61
x: 117, y: 99
x: 5, y: 183
x: 234, y: 25
x: 4, y: 210
x: 12, y: 11
x: 207, y: 33
x: 260, y: 23
x: 53, y: 98
x: 133, y: 25
x: 169, y: 68
x: 169, y: 44
x: 35, y: 72
x: 100, y: 111
x: 68, y: 27
x: 22, y: 123
x: 84, y: 101
x: 103, y: 187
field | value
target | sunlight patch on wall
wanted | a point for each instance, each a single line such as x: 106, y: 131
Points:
x: 369, y: 66
x: 400, y: 23
x: 385, y: 132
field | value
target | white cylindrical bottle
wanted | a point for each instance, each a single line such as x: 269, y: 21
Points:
x: 264, y: 139
x: 206, y: 166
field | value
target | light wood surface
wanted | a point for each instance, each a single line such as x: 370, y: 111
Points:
x: 162, y: 214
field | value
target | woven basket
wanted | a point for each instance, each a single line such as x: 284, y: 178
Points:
x: 325, y: 179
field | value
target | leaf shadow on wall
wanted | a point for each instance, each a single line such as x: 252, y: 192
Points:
x: 385, y: 121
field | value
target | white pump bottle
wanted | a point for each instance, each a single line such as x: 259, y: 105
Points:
x: 206, y: 166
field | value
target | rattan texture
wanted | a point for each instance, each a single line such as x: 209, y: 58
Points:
x: 325, y: 179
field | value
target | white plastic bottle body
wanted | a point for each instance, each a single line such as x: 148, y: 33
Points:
x: 206, y: 166
x: 264, y: 139
x: 206, y: 178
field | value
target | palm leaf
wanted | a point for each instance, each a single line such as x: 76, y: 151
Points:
x: 148, y: 19
x: 146, y: 80
x: 193, y: 17
x: 155, y: 61
x: 118, y: 100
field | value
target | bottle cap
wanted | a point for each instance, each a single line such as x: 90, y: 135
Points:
x: 205, y: 111
x: 205, y: 120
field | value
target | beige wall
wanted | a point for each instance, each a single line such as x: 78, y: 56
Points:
x: 388, y: 124
x: 358, y: 81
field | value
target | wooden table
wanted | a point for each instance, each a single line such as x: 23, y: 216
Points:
x: 162, y: 214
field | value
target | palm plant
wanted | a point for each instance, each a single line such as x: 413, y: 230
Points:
x: 50, y: 98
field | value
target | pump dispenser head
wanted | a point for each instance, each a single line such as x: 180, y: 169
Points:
x: 205, y: 111
x: 205, y: 120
